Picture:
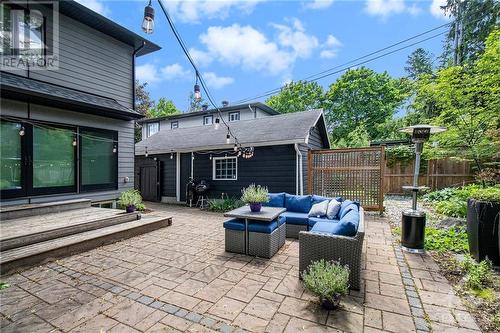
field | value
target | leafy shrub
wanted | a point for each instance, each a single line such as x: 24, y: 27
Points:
x: 223, y: 205
x: 441, y: 195
x: 326, y: 278
x: 401, y: 153
x: 478, y: 275
x: 254, y: 193
x: 454, y: 207
x: 140, y: 207
x: 129, y: 198
x: 490, y: 194
x: 452, y: 239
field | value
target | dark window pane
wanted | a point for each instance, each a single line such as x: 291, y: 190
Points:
x: 53, y: 157
x: 10, y: 156
x: 98, y: 159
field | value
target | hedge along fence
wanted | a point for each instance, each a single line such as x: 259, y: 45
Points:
x: 436, y: 174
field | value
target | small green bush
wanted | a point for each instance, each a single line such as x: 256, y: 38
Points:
x: 254, y: 194
x: 223, y: 205
x: 453, y: 239
x: 454, y: 207
x: 478, y: 275
x: 326, y: 278
x: 129, y: 198
x: 140, y: 207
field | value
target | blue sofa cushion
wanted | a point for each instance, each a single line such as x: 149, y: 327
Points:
x: 281, y: 220
x: 263, y: 227
x: 346, y: 206
x: 348, y: 226
x: 235, y: 224
x: 276, y: 200
x: 324, y: 227
x: 298, y: 203
x: 296, y: 218
x: 313, y: 220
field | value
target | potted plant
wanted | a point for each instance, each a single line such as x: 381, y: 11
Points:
x: 483, y: 210
x: 255, y: 196
x: 130, y: 199
x: 329, y: 280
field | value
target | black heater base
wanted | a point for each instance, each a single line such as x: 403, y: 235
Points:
x: 413, y: 231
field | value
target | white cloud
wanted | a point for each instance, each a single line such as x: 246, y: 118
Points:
x: 384, y: 8
x: 318, y: 4
x: 414, y: 10
x: 192, y: 11
x: 330, y: 47
x: 200, y: 58
x: 217, y: 82
x: 435, y: 8
x: 174, y: 71
x: 245, y: 46
x: 153, y: 74
x: 96, y: 6
x: 295, y: 38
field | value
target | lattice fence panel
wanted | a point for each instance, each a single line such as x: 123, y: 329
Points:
x: 355, y: 174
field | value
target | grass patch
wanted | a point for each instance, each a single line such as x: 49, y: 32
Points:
x: 4, y: 285
x: 453, y: 239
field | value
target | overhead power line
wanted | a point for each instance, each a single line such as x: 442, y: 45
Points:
x: 352, y: 63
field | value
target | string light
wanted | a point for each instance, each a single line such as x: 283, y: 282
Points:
x: 197, y: 92
x: 21, y: 131
x: 171, y: 155
x: 228, y: 138
x: 146, y: 151
x: 235, y: 147
x: 149, y: 19
x: 210, y: 157
x: 114, y: 149
x: 217, y: 124
x: 74, y: 141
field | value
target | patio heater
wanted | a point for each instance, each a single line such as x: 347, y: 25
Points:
x: 413, y: 220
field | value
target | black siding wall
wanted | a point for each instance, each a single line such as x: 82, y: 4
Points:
x: 168, y: 167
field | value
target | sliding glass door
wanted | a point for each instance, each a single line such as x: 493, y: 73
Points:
x: 53, y: 159
x: 12, y: 177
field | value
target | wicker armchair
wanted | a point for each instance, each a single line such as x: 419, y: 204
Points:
x: 347, y: 250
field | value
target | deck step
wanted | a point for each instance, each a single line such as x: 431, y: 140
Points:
x: 56, y: 230
x: 20, y: 211
x: 38, y: 253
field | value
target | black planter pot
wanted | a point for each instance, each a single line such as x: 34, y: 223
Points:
x: 130, y: 209
x: 482, y: 230
x: 330, y: 303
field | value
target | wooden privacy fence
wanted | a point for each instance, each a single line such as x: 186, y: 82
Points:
x: 436, y: 174
x: 355, y: 173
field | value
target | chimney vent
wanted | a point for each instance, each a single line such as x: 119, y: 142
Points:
x: 204, y: 107
x: 225, y: 104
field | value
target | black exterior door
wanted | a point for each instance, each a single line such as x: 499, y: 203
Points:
x: 149, y: 184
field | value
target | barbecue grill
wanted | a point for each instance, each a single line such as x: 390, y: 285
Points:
x: 201, y: 190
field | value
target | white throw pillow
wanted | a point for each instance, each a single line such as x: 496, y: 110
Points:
x: 333, y: 209
x: 319, y: 209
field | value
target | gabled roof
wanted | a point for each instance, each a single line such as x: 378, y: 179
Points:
x: 26, y: 89
x: 266, y: 131
x: 95, y: 20
x: 261, y: 106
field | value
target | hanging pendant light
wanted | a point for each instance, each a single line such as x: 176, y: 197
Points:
x: 149, y: 16
x: 146, y: 152
x: 217, y: 123
x: 228, y: 138
x: 197, y: 91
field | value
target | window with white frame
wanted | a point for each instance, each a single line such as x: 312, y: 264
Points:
x: 225, y: 168
x: 208, y: 120
x: 174, y: 124
x: 234, y: 116
x: 152, y: 128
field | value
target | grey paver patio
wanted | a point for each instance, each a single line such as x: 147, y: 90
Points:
x: 180, y: 279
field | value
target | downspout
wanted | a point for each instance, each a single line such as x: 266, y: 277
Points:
x: 192, y: 165
x: 133, y: 72
x: 253, y: 111
x: 178, y: 176
x: 299, y: 172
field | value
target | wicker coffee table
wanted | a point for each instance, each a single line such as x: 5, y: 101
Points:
x: 267, y: 214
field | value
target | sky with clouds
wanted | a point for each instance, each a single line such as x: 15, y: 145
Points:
x: 246, y: 47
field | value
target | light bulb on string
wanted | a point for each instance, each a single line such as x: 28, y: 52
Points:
x: 146, y: 151
x: 228, y: 138
x: 21, y: 131
x: 171, y: 155
x: 197, y: 91
x: 210, y: 157
x: 217, y: 124
x: 114, y: 149
x: 235, y: 147
x: 74, y: 141
x: 148, y: 22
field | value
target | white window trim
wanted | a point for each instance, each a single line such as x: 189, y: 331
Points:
x: 224, y: 158
x: 211, y: 118
x: 235, y: 112
x: 148, y: 132
x: 172, y: 124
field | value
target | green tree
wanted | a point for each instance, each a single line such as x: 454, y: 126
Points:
x: 143, y: 103
x: 164, y: 108
x: 469, y: 101
x: 357, y: 138
x: 362, y: 95
x: 475, y: 20
x: 419, y: 63
x: 297, y: 96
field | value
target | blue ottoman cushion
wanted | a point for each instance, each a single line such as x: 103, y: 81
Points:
x: 313, y: 220
x: 263, y: 227
x: 276, y: 200
x: 235, y: 224
x: 298, y: 203
x: 296, y: 218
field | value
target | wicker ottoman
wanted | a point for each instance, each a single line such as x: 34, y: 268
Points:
x: 293, y: 230
x: 266, y: 245
x: 235, y: 236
